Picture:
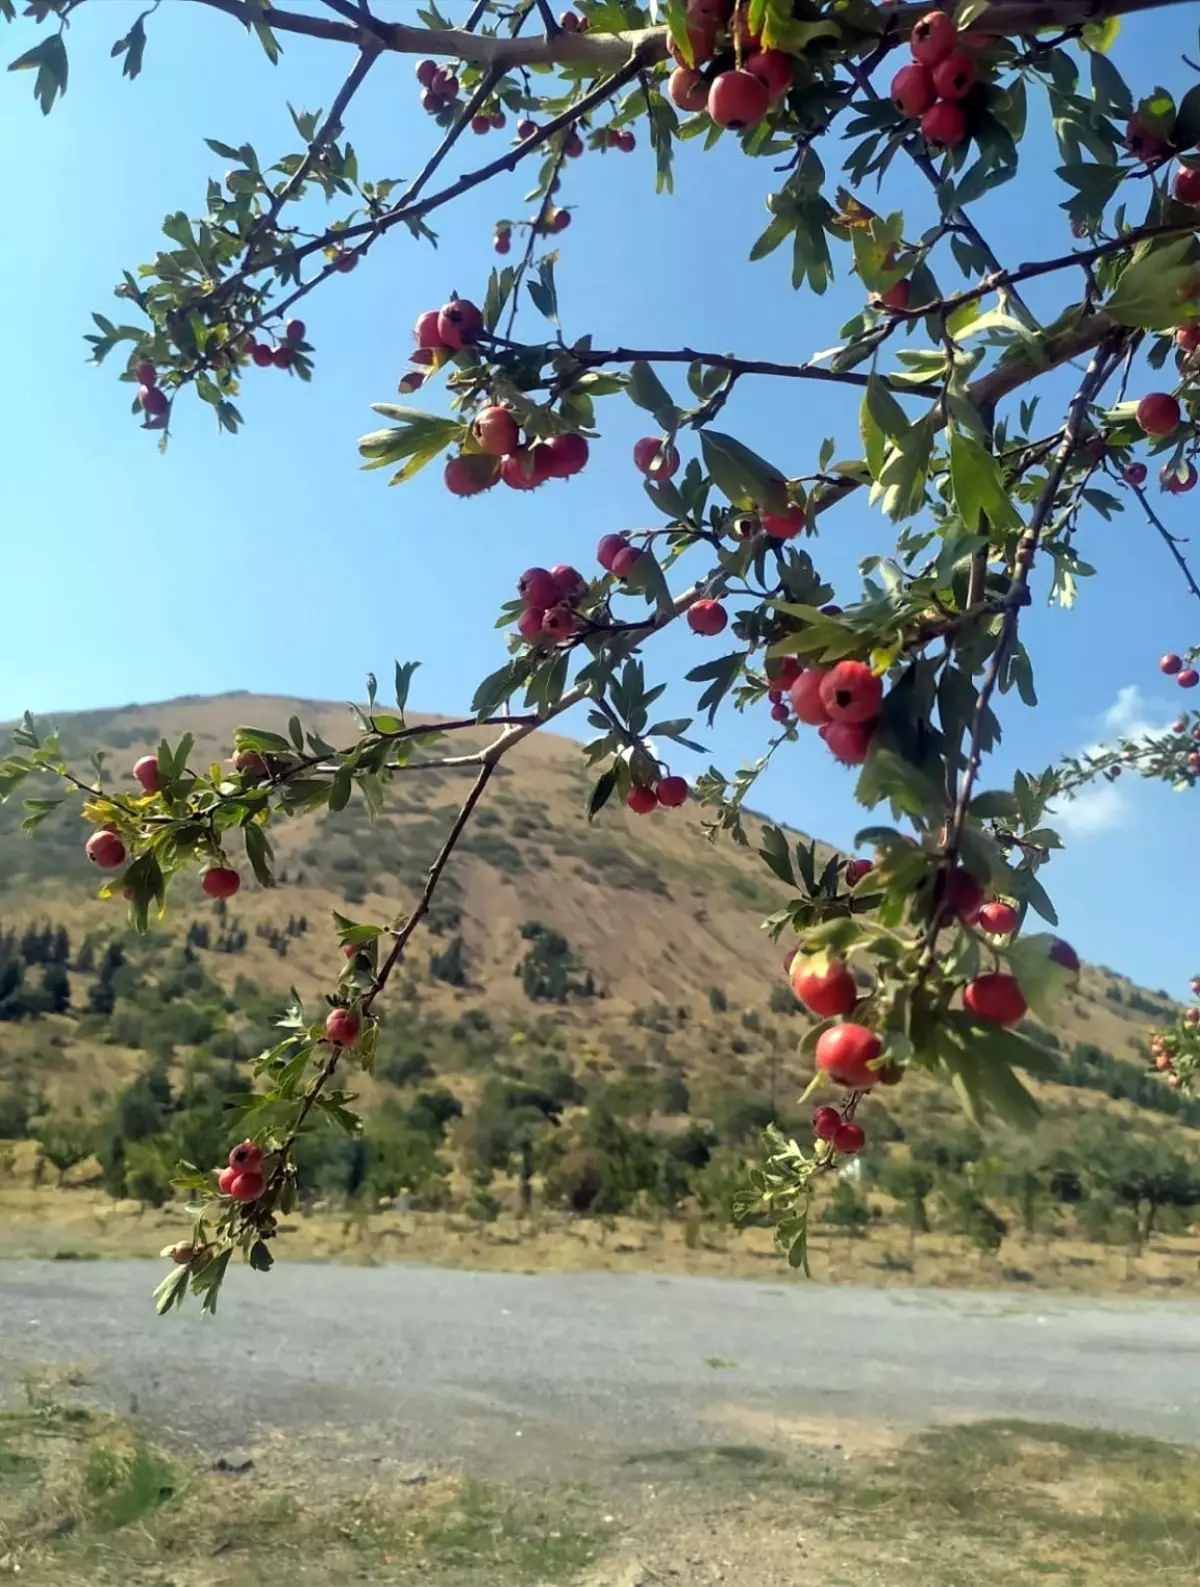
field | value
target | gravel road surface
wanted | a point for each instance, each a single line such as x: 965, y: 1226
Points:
x: 554, y: 1372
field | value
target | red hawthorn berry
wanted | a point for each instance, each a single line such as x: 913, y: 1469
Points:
x: 147, y: 773
x: 783, y: 525
x: 784, y: 670
x: 912, y: 91
x: 806, y: 698
x: 641, y: 800
x: 955, y: 75
x: 1141, y: 142
x: 896, y: 296
x: 445, y: 83
x: 844, y: 1053
x: 526, y: 128
x: 469, y: 474
x: 294, y: 330
x: 1134, y: 474
x: 342, y: 1027
x: 558, y: 622
x: 1158, y: 413
x: 824, y: 1122
x: 247, y: 1187
x: 558, y: 220
x: 346, y: 261
x: 702, y: 35
x: 1179, y: 726
x: 656, y: 458
x: 154, y: 401
x: 185, y: 1253
x: 566, y: 455
x: 481, y: 124
x: 1177, y: 484
x: 851, y: 692
x: 944, y: 125
x: 570, y: 585
x: 671, y: 792
x: 502, y: 241
x: 829, y: 992
x: 426, y: 330
x: 426, y: 72
x: 849, y: 1138
x: 105, y: 849
x: 848, y: 742
x: 608, y: 548
x: 780, y: 713
x: 1187, y: 337
x: 220, y: 881
x: 1170, y: 664
x: 572, y: 145
x: 626, y: 142
x: 1187, y: 185
x: 281, y: 357
x: 1193, y: 761
x: 1064, y: 954
x: 433, y: 102
x: 145, y: 374
x: 774, y: 70
x: 962, y: 895
x: 1162, y: 1060
x: 998, y: 918
x: 706, y: 617
x: 742, y: 34
x: 459, y: 323
x: 246, y: 1158
x: 687, y: 89
x: 537, y: 587
x: 932, y: 38
x: 520, y: 470
x: 737, y: 100
x: 250, y: 763
x: 569, y: 22
x: 1188, y: 678
x: 529, y: 624
x: 496, y: 430
x: 225, y: 1180
x: 624, y: 562
x: 996, y: 999
x: 856, y: 870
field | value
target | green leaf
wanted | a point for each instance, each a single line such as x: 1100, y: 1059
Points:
x: 417, y: 437
x: 747, y: 479
x: 647, y: 578
x: 775, y: 851
x: 404, y: 677
x: 978, y: 486
x: 901, y: 483
x: 1148, y: 293
x: 1101, y: 35
x: 341, y: 788
x: 648, y: 391
x: 269, y: 42
x: 880, y: 419
x: 719, y: 674
x: 500, y: 686
x: 1186, y: 132
x: 543, y: 291
x: 1044, y: 982
x: 995, y: 805
x: 602, y: 792
x: 258, y: 852
x: 49, y: 58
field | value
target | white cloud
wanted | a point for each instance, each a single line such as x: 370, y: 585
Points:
x: 1103, y: 805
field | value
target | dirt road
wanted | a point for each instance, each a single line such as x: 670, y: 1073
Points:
x: 529, y: 1373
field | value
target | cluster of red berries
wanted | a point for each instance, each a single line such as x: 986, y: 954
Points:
x: 736, y: 97
x: 455, y: 325
x: 243, y: 1179
x: 550, y: 596
x: 280, y: 356
x: 503, y: 456
x: 842, y: 702
x: 152, y: 398
x: 941, y: 76
x: 440, y: 85
x: 669, y: 792
x: 1172, y: 665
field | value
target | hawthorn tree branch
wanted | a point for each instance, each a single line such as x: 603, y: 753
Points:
x: 743, y: 366
x: 1170, y: 541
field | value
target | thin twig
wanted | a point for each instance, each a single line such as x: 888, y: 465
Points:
x: 739, y: 366
x: 1171, y: 541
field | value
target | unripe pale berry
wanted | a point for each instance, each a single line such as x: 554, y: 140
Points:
x: 845, y: 1052
x: 737, y: 99
x: 220, y: 881
x: 671, y: 792
x: 706, y: 617
x: 851, y: 692
x: 687, y: 89
x: 996, y: 999
x: 537, y: 587
x: 944, y: 125
x: 459, y: 323
x: 147, y: 773
x: 955, y: 75
x: 932, y: 38
x: 656, y: 458
x: 608, y: 547
x: 496, y: 430
x: 342, y: 1027
x: 641, y: 800
x: 1158, y: 413
x: 806, y: 698
x: 912, y: 91
x: 783, y: 525
x: 106, y: 850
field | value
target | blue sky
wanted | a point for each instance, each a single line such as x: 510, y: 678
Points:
x: 270, y: 562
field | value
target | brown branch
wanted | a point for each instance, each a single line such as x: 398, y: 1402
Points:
x: 1171, y: 541
x: 1003, y: 18
x: 743, y: 366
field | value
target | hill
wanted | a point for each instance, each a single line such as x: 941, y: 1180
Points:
x: 609, y: 984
